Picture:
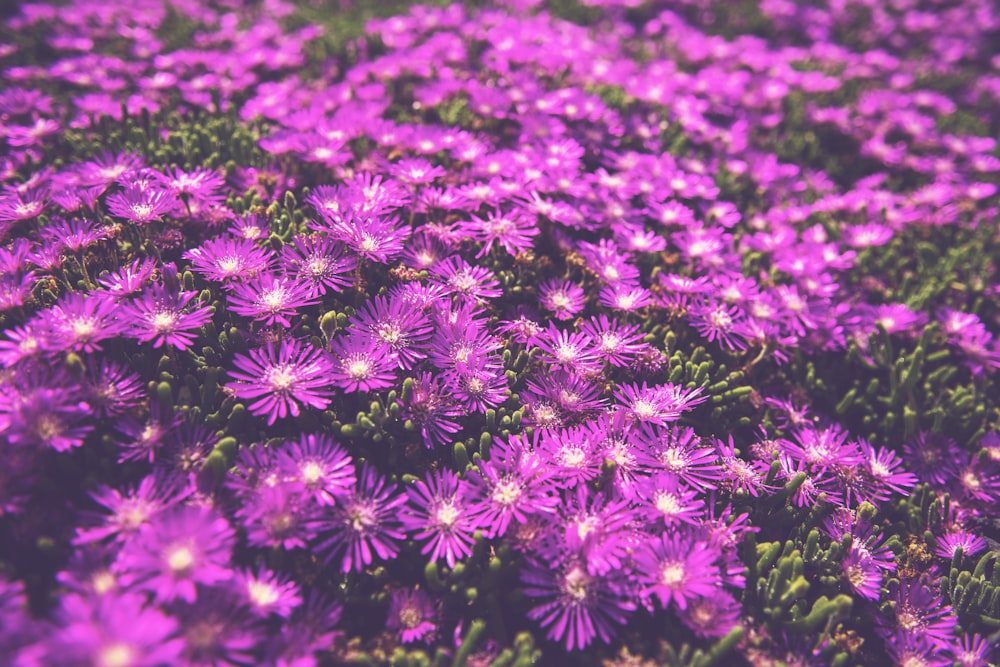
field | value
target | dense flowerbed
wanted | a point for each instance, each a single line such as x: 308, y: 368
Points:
x: 611, y: 333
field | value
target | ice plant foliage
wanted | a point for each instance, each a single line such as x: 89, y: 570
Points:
x: 599, y: 332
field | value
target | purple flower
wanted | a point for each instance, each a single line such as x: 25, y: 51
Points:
x: 227, y: 259
x: 79, y: 322
x: 676, y: 568
x: 430, y: 407
x: 322, y: 466
x: 319, y: 262
x: 42, y: 408
x: 658, y: 404
x: 933, y: 457
x: 573, y: 352
x: 270, y: 299
x: 563, y: 298
x: 618, y: 344
x: 471, y: 283
x: 183, y: 547
x: 362, y: 363
x: 266, y: 592
x: 677, y: 450
x: 133, y: 509
x: 371, y: 238
x: 112, y: 389
x: 413, y: 615
x: 164, y: 317
x: 278, y: 514
x: 577, y: 606
x: 954, y: 540
x: 365, y: 524
x: 439, y: 512
x: 713, y: 615
x: 142, y: 205
x: 512, y: 231
x: 118, y: 629
x: 510, y: 487
x: 401, y: 325
x: 280, y: 381
x: 664, y: 498
x: 129, y: 279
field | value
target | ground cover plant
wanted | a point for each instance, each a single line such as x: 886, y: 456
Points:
x: 611, y: 332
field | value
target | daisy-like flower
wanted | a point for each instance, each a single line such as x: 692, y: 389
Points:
x: 439, y: 512
x: 278, y: 513
x: 371, y: 238
x: 365, y: 524
x: 430, y: 407
x: 266, y: 593
x: 953, y: 540
x: 226, y: 259
x: 112, y: 389
x: 617, y: 343
x: 79, y: 322
x: 933, y: 457
x: 676, y: 568
x: 183, y: 547
x: 667, y: 500
x: 74, y: 234
x: 142, y: 205
x: 322, y: 466
x: 43, y: 408
x: 17, y: 206
x: 164, y: 317
x: 129, y: 279
x: 713, y: 615
x: 119, y: 630
x: 513, y: 231
x: 658, y: 404
x: 270, y: 299
x: 402, y: 326
x: 573, y: 352
x: 473, y: 283
x: 412, y: 613
x: 107, y: 168
x: 133, y: 509
x: 319, y: 262
x: 279, y: 381
x: 576, y: 606
x: 678, y: 450
x: 562, y: 298
x: 362, y: 363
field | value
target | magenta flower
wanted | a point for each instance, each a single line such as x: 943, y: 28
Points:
x: 365, y: 524
x: 280, y: 381
x: 270, y: 299
x: 362, y: 363
x: 116, y: 629
x: 318, y: 261
x: 439, y: 512
x: 79, y: 322
x: 563, y: 298
x: 266, y: 593
x: 227, y: 259
x: 142, y: 205
x: 413, y: 615
x: 397, y: 323
x: 179, y: 549
x: 676, y: 568
x: 658, y: 404
x: 322, y: 466
x: 576, y: 606
x: 164, y: 317
x: 131, y: 510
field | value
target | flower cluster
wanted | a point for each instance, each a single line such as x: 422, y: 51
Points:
x: 649, y: 328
